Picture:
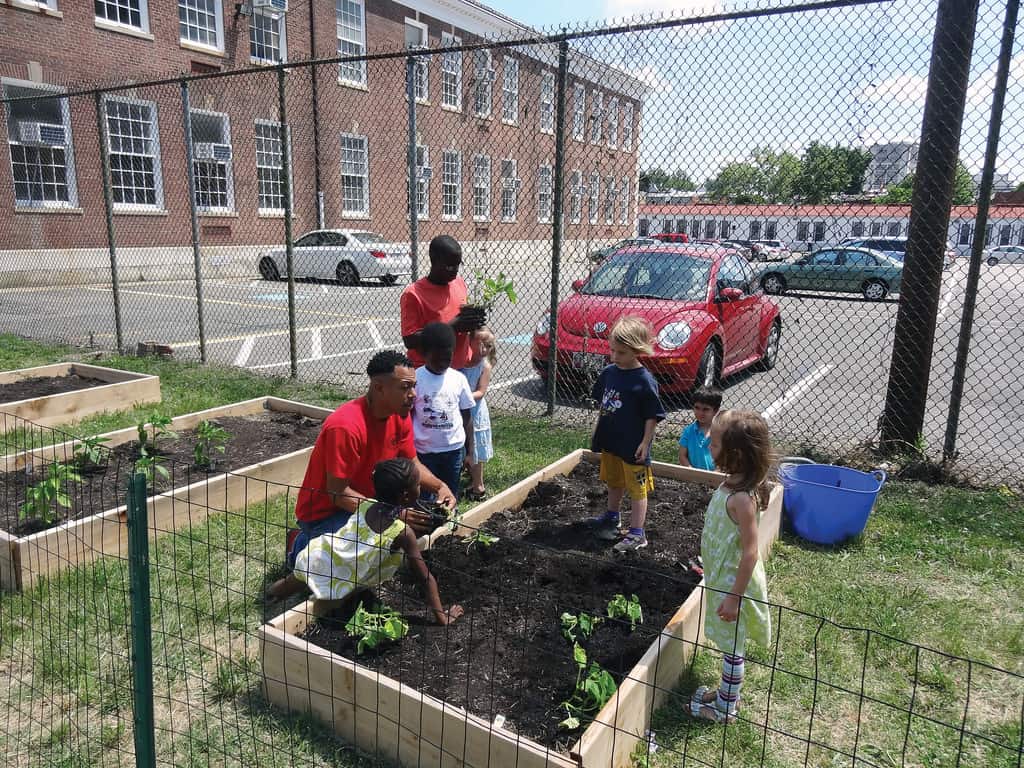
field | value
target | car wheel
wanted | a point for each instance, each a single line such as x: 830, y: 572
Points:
x: 771, y: 348
x: 708, y: 368
x: 268, y: 269
x: 875, y: 290
x: 388, y: 280
x: 992, y: 261
x: 347, y: 273
x: 773, y: 283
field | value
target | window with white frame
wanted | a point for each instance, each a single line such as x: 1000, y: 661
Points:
x: 579, y: 111
x: 350, y: 16
x: 609, y: 200
x: 483, y: 83
x: 451, y: 185
x: 547, y: 102
x: 201, y: 22
x: 42, y: 160
x: 267, y: 40
x: 892, y: 229
x: 50, y: 4
x: 964, y: 233
x: 1005, y: 233
x: 422, y: 182
x: 544, y: 195
x: 575, y: 197
x: 355, y: 176
x: 771, y: 230
x: 509, y: 190
x: 627, y: 126
x: 613, y: 123
x: 624, y: 200
x: 270, y: 167
x: 510, y: 91
x: 597, y: 117
x: 451, y: 73
x: 595, y: 194
x: 481, y: 188
x: 211, y: 161
x: 133, y: 14
x: 133, y: 141
x: 421, y: 81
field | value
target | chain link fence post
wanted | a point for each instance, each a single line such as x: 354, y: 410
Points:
x: 142, y: 631
x: 286, y: 171
x: 410, y: 95
x: 186, y: 110
x: 108, y: 205
x: 556, y: 218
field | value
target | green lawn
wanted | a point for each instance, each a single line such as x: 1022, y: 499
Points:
x: 938, y: 566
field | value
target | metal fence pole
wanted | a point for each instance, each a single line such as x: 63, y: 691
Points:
x: 414, y: 224
x: 186, y: 110
x: 108, y: 204
x: 286, y: 170
x: 963, y: 346
x: 142, y: 631
x: 556, y: 227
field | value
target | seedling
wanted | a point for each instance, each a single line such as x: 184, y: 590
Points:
x: 487, y: 290
x: 373, y: 629
x: 482, y: 538
x: 621, y: 608
x: 157, y: 423
x: 151, y: 465
x: 575, y: 626
x: 90, y: 451
x: 591, y: 693
x: 212, y: 439
x: 44, y: 498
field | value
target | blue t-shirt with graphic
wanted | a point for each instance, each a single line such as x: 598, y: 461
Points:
x: 627, y: 399
x: 698, y: 447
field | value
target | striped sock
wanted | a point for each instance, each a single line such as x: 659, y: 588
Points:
x: 732, y: 681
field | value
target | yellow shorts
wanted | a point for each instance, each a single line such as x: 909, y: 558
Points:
x: 637, y: 479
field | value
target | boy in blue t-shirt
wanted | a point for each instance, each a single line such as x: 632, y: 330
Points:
x: 695, y: 442
x: 630, y: 411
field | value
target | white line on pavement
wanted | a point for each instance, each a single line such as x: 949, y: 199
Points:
x: 512, y: 383
x: 286, y: 363
x: 243, y: 354
x: 262, y: 335
x: 795, y: 391
x: 316, y: 350
x: 947, y: 297
x: 375, y: 336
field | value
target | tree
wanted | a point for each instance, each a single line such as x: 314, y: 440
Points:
x: 826, y: 172
x: 660, y: 179
x: 737, y: 183
x: 902, y: 192
x: 768, y: 177
x: 779, y: 171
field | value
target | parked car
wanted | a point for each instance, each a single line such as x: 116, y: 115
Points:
x: 770, y: 250
x: 742, y: 247
x: 1004, y: 254
x: 672, y: 237
x: 894, y: 247
x: 708, y: 316
x: 841, y: 270
x: 603, y: 253
x: 345, y: 255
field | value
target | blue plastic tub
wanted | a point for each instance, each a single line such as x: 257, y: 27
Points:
x: 827, y: 504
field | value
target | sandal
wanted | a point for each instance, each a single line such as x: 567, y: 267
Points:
x: 474, y: 495
x: 708, y: 710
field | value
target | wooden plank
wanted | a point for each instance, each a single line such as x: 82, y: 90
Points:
x: 20, y: 374
x: 8, y: 568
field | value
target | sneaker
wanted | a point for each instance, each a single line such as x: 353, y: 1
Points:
x: 603, y: 528
x: 632, y: 543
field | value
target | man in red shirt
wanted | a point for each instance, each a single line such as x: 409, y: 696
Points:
x: 440, y: 297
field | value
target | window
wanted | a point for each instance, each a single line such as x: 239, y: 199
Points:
x: 725, y: 229
x: 350, y: 18
x: 547, y: 102
x: 627, y: 126
x: 819, y: 231
x: 857, y: 229
x: 859, y: 259
x: 734, y: 274
x: 1020, y: 236
x: 42, y: 161
x: 451, y: 185
x: 609, y: 200
x: 510, y: 92
x: 596, y: 117
x: 414, y: 30
x: 822, y: 259
x: 803, y: 229
x: 481, y: 188
x: 201, y: 22
x: 544, y: 194
x: 576, y: 197
x: 595, y: 194
x: 579, y: 111
x: 267, y: 37
x: 51, y: 4
x: 876, y: 229
x: 211, y: 161
x: 451, y: 73
x: 509, y: 190
x: 645, y: 228
x: 893, y: 230
x: 123, y: 13
x: 355, y: 176
x: 964, y: 235
x: 483, y: 82
x: 1005, y: 231
x: 133, y: 141
x: 613, y: 123
x: 988, y: 234
x: 422, y: 182
x: 771, y: 230
x: 269, y: 167
x: 754, y: 230
x: 624, y: 197
x: 709, y: 228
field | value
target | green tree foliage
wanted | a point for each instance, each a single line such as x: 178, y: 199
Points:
x: 902, y: 192
x: 827, y: 172
x: 660, y: 179
x: 737, y: 183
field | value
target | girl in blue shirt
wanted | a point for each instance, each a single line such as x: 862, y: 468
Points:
x: 695, y: 442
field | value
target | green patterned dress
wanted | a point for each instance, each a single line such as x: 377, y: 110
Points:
x: 721, y: 551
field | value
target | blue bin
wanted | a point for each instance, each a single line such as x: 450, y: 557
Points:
x: 827, y: 504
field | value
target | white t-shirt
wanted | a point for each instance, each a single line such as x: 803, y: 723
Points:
x: 436, y: 419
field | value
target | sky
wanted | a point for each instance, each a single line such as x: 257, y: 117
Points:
x: 854, y: 76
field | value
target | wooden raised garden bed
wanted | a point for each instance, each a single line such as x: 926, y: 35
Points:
x: 96, y: 525
x: 387, y: 716
x: 67, y: 392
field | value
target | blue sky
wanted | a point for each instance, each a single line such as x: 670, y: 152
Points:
x: 855, y: 76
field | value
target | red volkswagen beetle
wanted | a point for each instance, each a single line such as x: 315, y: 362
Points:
x: 704, y: 304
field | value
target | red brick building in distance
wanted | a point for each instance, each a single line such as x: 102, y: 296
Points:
x: 485, y: 129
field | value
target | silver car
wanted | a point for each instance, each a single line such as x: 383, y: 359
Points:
x: 1004, y: 254
x: 346, y: 255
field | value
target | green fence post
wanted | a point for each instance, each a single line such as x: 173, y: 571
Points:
x: 142, y: 636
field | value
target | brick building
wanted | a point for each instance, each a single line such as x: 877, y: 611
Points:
x: 485, y: 124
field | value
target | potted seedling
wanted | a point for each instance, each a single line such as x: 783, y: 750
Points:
x: 485, y: 294
x: 43, y: 500
x: 211, y: 439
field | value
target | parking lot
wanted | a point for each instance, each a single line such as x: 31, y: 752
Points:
x: 828, y: 387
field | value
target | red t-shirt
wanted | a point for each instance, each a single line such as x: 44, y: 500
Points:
x: 424, y: 302
x: 349, y: 445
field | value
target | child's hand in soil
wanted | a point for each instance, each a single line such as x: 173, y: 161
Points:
x: 729, y: 609
x: 444, y: 618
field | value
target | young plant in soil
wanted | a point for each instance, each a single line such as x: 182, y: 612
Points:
x: 575, y: 626
x: 43, y: 499
x: 157, y: 423
x: 591, y: 693
x: 374, y: 629
x: 482, y: 539
x: 90, y: 452
x: 211, y: 439
x: 626, y: 610
x: 487, y: 290
x: 151, y: 465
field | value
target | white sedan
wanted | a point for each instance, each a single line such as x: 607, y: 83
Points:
x: 1004, y: 254
x: 345, y: 255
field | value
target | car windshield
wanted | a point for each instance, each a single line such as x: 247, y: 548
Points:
x: 651, y: 275
x: 368, y: 237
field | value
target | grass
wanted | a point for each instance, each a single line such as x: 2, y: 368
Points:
x: 937, y: 566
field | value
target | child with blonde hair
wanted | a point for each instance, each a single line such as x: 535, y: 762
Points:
x: 483, y: 356
x: 735, y: 583
x: 630, y: 410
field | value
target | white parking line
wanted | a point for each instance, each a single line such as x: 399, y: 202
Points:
x: 246, y: 350
x: 286, y: 363
x: 316, y: 349
x: 375, y: 336
x: 512, y: 383
x: 795, y: 391
x: 947, y: 297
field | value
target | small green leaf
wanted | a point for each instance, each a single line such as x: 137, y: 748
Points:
x: 570, y: 723
x: 579, y: 655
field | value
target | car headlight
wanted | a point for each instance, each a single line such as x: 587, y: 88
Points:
x: 543, y: 325
x: 674, y: 335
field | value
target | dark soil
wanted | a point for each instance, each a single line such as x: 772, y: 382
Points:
x: 41, y: 386
x: 507, y: 655
x: 102, y: 487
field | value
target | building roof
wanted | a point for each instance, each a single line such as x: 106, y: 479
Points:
x: 866, y: 210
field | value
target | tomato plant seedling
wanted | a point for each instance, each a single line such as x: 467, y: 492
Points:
x: 211, y: 439
x: 44, y: 498
x: 373, y: 629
